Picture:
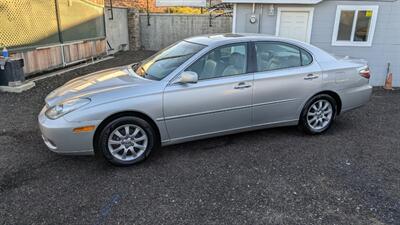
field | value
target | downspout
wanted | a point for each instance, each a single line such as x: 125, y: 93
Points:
x: 260, y: 19
x: 148, y: 13
x: 111, y: 11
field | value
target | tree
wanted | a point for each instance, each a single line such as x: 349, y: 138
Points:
x: 141, y: 5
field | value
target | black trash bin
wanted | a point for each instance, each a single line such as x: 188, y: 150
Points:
x: 11, y: 70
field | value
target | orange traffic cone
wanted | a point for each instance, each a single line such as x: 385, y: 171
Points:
x: 389, y: 82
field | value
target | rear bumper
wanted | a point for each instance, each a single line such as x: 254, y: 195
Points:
x: 59, y: 137
x: 355, y: 97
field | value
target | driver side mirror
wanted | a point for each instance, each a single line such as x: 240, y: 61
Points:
x: 187, y: 77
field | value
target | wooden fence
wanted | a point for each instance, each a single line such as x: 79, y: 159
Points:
x: 56, y: 56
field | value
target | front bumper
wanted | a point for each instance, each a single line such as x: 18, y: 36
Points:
x: 59, y: 137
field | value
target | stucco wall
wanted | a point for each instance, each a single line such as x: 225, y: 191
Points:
x: 166, y: 29
x: 386, y: 43
x: 116, y: 29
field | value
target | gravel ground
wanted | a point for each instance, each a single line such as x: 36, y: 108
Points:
x: 350, y: 175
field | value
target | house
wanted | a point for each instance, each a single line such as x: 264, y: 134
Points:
x: 367, y: 29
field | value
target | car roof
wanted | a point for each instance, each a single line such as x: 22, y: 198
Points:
x: 217, y: 39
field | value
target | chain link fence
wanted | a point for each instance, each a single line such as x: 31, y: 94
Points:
x: 34, y: 23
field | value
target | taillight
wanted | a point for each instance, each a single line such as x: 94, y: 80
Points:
x: 364, y: 72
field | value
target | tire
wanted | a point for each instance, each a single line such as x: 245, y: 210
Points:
x: 122, y: 149
x: 316, y: 120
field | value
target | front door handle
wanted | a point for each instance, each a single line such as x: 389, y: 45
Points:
x: 311, y: 76
x: 242, y: 85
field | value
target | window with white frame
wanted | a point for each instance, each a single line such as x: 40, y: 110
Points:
x: 354, y: 25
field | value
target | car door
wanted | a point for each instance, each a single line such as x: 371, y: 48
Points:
x: 219, y: 101
x: 286, y: 76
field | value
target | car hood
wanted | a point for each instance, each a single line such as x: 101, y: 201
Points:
x: 99, y: 82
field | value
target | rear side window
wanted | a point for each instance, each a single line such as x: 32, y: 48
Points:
x: 306, y: 58
x: 275, y: 55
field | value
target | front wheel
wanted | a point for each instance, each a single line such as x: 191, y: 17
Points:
x: 126, y: 140
x: 318, y: 114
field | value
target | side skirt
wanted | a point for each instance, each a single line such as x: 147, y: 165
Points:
x: 231, y: 131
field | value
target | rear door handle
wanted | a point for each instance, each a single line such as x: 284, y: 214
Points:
x: 242, y: 85
x: 311, y: 76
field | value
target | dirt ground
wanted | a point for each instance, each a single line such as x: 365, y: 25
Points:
x: 349, y: 175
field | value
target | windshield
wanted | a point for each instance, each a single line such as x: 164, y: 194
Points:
x: 164, y: 62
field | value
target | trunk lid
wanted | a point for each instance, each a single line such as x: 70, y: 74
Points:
x: 361, y: 62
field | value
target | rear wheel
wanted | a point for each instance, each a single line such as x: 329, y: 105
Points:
x: 126, y: 140
x: 318, y: 114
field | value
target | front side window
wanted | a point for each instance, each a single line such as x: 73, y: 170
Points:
x: 275, y: 55
x: 354, y: 25
x: 223, y: 61
x: 164, y: 62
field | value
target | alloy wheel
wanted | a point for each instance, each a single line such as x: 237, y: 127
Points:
x: 127, y: 142
x: 320, y: 114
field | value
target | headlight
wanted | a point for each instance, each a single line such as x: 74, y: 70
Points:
x: 66, y: 107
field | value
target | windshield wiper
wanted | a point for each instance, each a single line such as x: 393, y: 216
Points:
x: 135, y: 66
x: 144, y: 71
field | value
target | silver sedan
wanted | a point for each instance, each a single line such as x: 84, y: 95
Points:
x: 202, y: 87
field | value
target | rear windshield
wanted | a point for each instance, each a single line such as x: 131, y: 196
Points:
x: 167, y: 60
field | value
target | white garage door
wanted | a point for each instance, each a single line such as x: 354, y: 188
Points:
x: 295, y: 23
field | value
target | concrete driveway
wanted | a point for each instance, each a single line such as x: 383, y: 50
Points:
x: 350, y: 175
